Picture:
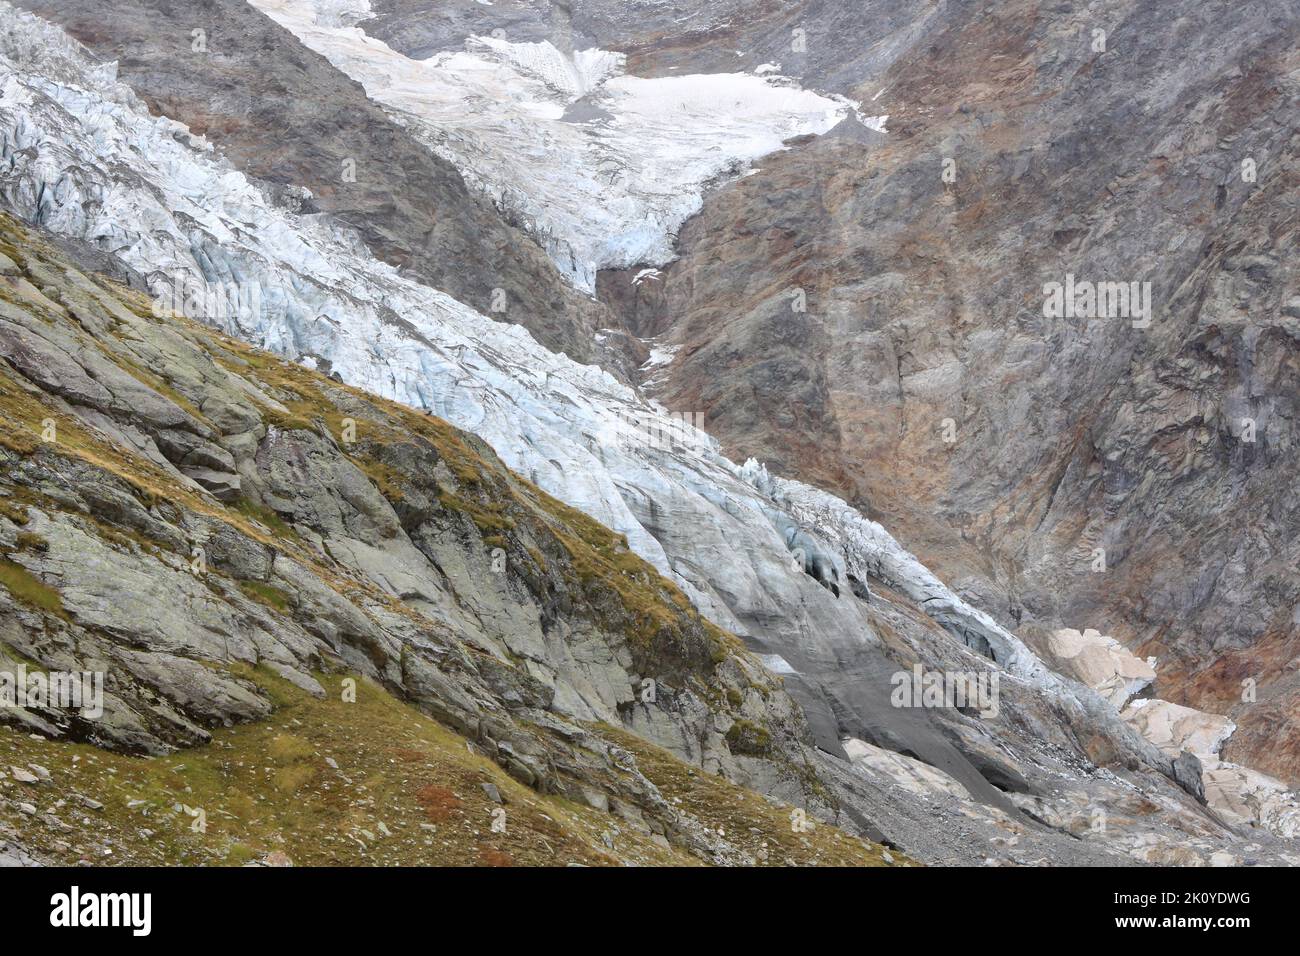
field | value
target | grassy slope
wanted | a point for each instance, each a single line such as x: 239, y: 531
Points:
x: 267, y: 787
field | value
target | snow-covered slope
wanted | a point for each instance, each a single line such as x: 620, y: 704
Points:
x: 601, y: 167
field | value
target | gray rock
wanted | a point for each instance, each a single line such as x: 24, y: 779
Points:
x: 1187, y: 772
x: 224, y: 486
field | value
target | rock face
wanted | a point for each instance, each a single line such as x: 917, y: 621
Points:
x: 1239, y: 794
x: 406, y: 555
x: 870, y: 316
x: 866, y: 312
x: 366, y: 535
x: 402, y: 552
x: 1175, y: 729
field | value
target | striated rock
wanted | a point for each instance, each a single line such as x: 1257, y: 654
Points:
x: 1240, y: 795
x: 870, y: 317
x: 1247, y: 797
x: 1103, y: 663
x: 1174, y: 728
x: 909, y: 773
x: 380, y: 567
x: 223, y: 485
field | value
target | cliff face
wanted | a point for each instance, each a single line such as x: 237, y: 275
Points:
x: 1009, y: 448
x: 266, y: 567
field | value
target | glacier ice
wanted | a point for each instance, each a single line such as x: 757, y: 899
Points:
x: 601, y: 167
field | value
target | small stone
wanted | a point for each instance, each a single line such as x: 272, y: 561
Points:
x: 28, y: 809
x: 334, y: 764
x: 278, y: 858
x: 493, y: 793
x: 23, y: 776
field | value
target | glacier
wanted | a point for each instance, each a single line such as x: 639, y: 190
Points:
x: 600, y: 167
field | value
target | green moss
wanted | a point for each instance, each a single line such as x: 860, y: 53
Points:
x: 239, y: 854
x: 539, y: 559
x: 387, y: 479
x: 268, y: 786
x: 267, y: 595
x: 28, y: 589
x: 755, y: 824
x: 489, y: 517
x: 286, y: 423
x: 267, y: 517
x: 746, y: 737
x: 28, y: 541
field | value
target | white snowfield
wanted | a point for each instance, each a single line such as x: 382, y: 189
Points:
x: 601, y: 168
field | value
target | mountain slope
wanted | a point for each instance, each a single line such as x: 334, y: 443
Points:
x: 924, y: 381
x: 211, y: 539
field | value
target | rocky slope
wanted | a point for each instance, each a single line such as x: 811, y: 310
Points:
x: 833, y: 603
x: 225, y: 536
x: 231, y: 539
